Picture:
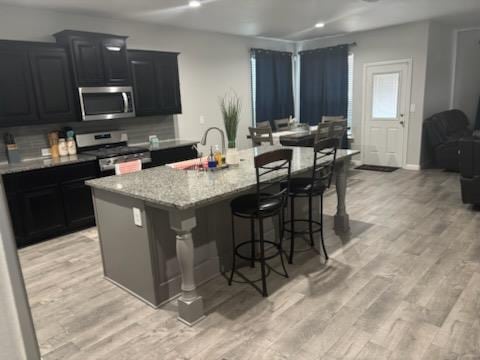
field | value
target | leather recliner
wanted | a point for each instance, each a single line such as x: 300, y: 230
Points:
x: 443, y: 132
x: 470, y: 170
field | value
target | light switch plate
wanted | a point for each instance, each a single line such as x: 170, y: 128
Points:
x: 202, y: 120
x: 412, y: 108
x: 137, y: 217
x: 46, y: 152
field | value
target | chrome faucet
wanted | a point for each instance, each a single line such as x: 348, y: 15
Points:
x: 204, y: 138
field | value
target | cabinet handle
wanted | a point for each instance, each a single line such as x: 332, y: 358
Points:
x: 126, y: 103
x: 113, y: 48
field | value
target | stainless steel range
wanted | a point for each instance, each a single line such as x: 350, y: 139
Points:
x: 110, y: 148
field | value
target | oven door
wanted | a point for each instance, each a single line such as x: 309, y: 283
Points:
x: 104, y: 103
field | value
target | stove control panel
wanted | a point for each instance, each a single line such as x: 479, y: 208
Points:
x: 109, y: 163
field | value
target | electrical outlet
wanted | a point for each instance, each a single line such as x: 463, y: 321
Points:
x: 137, y: 217
x: 46, y: 152
x: 202, y: 120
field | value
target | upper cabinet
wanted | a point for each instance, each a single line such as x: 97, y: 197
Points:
x: 17, y: 101
x: 52, y: 84
x: 97, y: 59
x: 156, y: 82
x: 35, y: 84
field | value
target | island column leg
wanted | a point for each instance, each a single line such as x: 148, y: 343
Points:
x: 190, y: 305
x: 342, y: 220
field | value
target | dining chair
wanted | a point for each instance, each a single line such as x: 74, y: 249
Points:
x: 282, y: 124
x: 263, y: 124
x: 338, y: 130
x: 323, y: 132
x: 260, y: 135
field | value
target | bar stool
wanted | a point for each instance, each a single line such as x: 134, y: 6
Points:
x: 325, y: 152
x: 272, y: 168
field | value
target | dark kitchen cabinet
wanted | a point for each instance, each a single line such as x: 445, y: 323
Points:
x: 166, y: 72
x: 142, y: 68
x: 156, y: 82
x: 49, y: 202
x: 173, y: 155
x: 52, y: 85
x: 43, y: 212
x: 78, y: 204
x: 115, y: 64
x: 87, y: 62
x: 97, y: 59
x: 17, y: 99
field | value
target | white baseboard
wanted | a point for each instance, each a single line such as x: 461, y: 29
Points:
x: 412, y: 167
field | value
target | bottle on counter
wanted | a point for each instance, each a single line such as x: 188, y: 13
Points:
x: 53, y: 141
x: 62, y: 147
x: 71, y: 145
x: 218, y: 156
x: 212, y: 163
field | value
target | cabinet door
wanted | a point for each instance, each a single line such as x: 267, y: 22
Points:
x: 168, y: 84
x: 17, y: 101
x: 173, y: 155
x: 88, y: 62
x: 142, y: 68
x: 53, y: 85
x: 77, y: 199
x: 115, y: 62
x: 43, y: 212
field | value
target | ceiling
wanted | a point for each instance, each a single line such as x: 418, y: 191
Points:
x: 282, y: 19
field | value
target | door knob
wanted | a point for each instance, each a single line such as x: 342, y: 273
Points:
x: 402, y: 122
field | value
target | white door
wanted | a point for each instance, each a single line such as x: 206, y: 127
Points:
x: 387, y: 97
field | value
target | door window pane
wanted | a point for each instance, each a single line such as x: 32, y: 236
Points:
x: 385, y: 96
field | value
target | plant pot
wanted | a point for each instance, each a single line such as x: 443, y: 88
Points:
x: 232, y: 157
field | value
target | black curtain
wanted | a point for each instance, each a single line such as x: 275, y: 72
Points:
x: 323, y: 83
x: 273, y: 85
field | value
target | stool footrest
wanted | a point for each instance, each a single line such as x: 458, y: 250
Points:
x: 303, y: 232
x: 258, y: 259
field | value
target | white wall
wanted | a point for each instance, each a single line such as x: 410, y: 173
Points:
x: 467, y: 73
x: 407, y: 41
x: 210, y: 64
x: 438, y: 84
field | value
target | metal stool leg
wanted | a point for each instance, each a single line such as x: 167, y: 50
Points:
x: 262, y: 259
x: 252, y: 234
x: 321, y: 227
x: 234, y: 252
x: 310, y: 219
x: 281, y: 222
x: 292, y: 228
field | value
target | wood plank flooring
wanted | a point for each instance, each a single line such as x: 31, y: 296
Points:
x: 405, y: 284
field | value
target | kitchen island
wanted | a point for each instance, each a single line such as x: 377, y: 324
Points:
x: 163, y: 231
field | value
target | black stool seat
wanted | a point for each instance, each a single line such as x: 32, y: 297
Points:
x: 248, y: 206
x: 305, y: 187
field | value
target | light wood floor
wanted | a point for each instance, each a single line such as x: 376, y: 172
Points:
x: 404, y: 285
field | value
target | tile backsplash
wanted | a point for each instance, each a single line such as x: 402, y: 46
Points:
x: 31, y: 139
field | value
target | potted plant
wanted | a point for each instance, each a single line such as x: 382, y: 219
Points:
x: 231, y: 107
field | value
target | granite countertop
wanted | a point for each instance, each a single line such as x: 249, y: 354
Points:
x: 42, y: 163
x: 168, y: 144
x: 183, y: 189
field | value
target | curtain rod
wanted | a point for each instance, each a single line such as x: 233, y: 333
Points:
x: 353, y: 44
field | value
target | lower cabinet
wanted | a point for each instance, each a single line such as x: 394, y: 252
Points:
x: 77, y: 202
x: 169, y: 156
x: 43, y: 212
x: 49, y: 202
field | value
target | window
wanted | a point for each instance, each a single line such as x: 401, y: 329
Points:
x: 385, y: 96
x: 350, y: 91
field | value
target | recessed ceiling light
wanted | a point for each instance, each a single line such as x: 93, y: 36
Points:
x: 320, y: 25
x: 194, y: 3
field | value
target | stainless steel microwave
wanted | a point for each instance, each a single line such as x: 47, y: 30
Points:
x: 106, y: 102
